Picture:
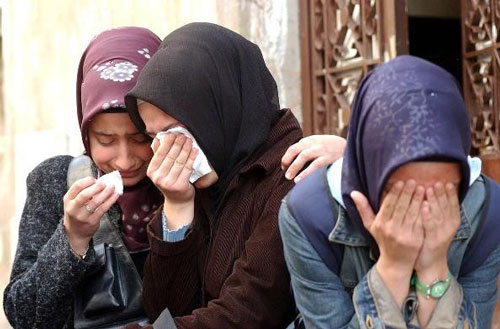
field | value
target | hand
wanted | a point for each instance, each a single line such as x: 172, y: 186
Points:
x: 397, y: 229
x: 84, y: 204
x: 169, y: 170
x: 322, y: 150
x: 441, y: 219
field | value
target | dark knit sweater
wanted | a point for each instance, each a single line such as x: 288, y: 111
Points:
x: 45, y: 271
x: 229, y: 271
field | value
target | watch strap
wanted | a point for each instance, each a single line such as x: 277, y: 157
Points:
x: 435, y: 290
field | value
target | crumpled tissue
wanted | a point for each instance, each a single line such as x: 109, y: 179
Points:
x: 114, y: 179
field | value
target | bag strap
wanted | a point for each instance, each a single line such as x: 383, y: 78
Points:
x: 485, y: 238
x: 316, y: 213
x: 80, y: 167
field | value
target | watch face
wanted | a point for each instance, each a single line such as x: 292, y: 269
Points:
x: 438, y: 289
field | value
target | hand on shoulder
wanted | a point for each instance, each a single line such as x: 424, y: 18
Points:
x: 320, y: 150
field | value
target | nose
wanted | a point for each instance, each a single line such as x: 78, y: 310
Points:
x: 125, y: 158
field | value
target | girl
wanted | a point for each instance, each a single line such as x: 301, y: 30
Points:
x: 55, y: 252
x: 385, y: 236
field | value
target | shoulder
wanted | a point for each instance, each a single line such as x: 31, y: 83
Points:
x: 310, y: 203
x: 50, y: 171
x: 309, y: 194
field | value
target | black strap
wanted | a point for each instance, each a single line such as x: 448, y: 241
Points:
x: 316, y: 213
x: 487, y: 234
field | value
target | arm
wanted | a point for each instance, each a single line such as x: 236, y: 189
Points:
x: 480, y: 291
x: 257, y: 293
x: 319, y: 293
x: 175, y: 263
x: 45, y: 271
x: 440, y: 219
x: 314, y: 285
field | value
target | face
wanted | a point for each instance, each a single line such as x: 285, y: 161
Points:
x: 156, y: 120
x: 426, y: 174
x: 116, y: 144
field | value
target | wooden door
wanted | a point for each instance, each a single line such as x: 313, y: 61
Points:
x: 341, y: 40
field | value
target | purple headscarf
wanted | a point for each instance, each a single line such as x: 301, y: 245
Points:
x: 108, y: 70
x: 405, y: 110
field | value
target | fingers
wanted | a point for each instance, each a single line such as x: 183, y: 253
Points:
x: 88, y: 193
x: 180, y: 161
x: 78, y: 186
x: 321, y: 149
x: 442, y: 197
x: 155, y: 144
x: 312, y: 153
x: 173, y: 153
x: 106, y: 202
x: 292, y: 171
x: 427, y: 221
x: 82, y: 214
x: 452, y: 193
x: 188, y: 167
x: 291, y: 153
x: 403, y: 202
x: 364, y: 209
x: 161, y: 152
x: 301, y: 159
x: 99, y: 198
x: 433, y: 204
x: 170, y: 158
x: 418, y: 226
x: 390, y: 200
x: 413, y: 212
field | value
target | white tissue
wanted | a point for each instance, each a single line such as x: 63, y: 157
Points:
x: 201, y: 166
x: 114, y: 179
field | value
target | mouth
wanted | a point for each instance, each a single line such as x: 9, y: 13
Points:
x: 129, y: 174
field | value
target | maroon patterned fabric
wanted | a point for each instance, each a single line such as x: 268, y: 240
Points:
x: 108, y: 70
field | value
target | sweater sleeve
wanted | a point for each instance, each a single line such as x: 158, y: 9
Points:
x: 45, y: 272
x: 174, y: 265
x: 257, y: 293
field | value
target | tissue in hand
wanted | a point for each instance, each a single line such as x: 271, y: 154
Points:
x: 114, y: 179
x: 201, y: 166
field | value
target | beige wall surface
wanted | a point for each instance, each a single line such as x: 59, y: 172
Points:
x: 42, y: 41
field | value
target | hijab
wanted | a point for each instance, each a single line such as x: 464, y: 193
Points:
x: 407, y: 109
x: 108, y: 70
x: 216, y: 83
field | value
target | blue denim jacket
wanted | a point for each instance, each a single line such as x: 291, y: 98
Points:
x: 358, y: 298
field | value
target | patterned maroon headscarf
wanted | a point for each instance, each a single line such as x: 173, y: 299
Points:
x: 108, y: 70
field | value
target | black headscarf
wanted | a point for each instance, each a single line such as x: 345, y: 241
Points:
x: 407, y: 109
x: 216, y: 83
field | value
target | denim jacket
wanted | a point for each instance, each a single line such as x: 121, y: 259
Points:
x: 358, y: 298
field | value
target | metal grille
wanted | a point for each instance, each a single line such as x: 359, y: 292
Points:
x: 344, y: 39
x: 481, y: 71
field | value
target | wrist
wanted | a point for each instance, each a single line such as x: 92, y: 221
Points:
x: 435, y: 289
x: 78, y: 244
x: 396, y: 278
x: 394, y: 270
x: 178, y: 214
x: 438, y: 271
